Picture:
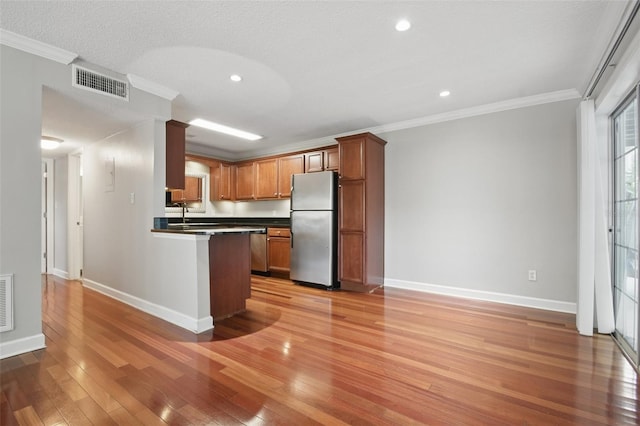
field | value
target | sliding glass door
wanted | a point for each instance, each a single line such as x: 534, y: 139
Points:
x: 625, y: 238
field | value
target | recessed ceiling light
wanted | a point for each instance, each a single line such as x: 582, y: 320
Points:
x: 47, y: 142
x: 210, y: 125
x: 403, y: 25
x: 235, y: 77
x: 444, y: 93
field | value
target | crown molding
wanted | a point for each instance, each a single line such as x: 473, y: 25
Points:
x: 35, y: 47
x: 527, y: 101
x: 151, y: 87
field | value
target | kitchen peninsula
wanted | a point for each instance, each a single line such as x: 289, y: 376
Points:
x: 211, y: 263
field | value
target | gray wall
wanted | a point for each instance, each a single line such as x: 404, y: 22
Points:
x: 22, y: 77
x: 475, y: 203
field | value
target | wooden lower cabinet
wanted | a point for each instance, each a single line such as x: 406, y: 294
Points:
x: 279, y: 247
x: 352, y: 248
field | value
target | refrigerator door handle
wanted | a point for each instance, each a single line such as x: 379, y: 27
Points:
x: 291, y: 238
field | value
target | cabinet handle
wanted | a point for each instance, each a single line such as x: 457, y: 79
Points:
x: 275, y: 194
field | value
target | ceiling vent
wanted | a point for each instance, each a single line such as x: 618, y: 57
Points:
x: 100, y: 83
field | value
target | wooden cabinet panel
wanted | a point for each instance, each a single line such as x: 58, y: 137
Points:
x: 332, y: 159
x: 175, y: 153
x: 245, y: 180
x: 266, y: 179
x: 279, y: 243
x: 226, y: 183
x: 314, y: 162
x: 287, y: 166
x: 320, y: 161
x: 226, y: 299
x: 191, y: 193
x: 352, y: 164
x: 351, y: 202
x: 351, y: 257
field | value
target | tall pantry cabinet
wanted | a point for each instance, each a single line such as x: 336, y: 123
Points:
x: 361, y: 212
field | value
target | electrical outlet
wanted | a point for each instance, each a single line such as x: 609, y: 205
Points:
x: 533, y: 275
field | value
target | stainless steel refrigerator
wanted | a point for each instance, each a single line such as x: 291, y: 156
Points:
x: 314, y: 229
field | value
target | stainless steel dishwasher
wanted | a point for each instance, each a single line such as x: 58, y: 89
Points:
x: 259, y: 255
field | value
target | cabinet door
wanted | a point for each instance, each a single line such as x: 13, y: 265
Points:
x: 279, y: 254
x: 352, y: 202
x: 225, y: 185
x: 175, y: 152
x: 193, y: 189
x: 352, y: 159
x: 351, y: 263
x: 288, y: 166
x: 245, y: 174
x: 314, y: 162
x: 267, y: 179
x: 332, y: 159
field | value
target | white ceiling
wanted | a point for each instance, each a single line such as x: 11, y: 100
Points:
x: 313, y: 69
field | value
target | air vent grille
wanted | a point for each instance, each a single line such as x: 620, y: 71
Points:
x: 6, y: 302
x: 99, y: 83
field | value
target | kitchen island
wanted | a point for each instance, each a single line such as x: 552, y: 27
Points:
x: 211, y: 265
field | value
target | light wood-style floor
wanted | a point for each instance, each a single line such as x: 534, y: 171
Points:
x: 307, y: 356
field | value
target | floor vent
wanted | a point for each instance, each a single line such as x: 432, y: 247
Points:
x: 6, y: 302
x: 100, y: 83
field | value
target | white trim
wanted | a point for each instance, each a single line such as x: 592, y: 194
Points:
x: 35, y: 47
x: 21, y: 346
x: 489, y: 296
x: 60, y: 273
x: 196, y: 325
x: 151, y: 87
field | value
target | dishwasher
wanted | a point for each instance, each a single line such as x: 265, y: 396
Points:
x: 259, y: 255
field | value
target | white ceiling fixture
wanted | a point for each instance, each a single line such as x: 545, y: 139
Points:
x: 221, y: 128
x: 403, y: 25
x: 235, y: 78
x: 48, y: 142
x: 444, y: 93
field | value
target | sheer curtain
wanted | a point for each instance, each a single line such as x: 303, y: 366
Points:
x: 594, y: 273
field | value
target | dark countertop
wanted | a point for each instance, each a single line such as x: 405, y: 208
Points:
x: 164, y: 222
x: 211, y: 230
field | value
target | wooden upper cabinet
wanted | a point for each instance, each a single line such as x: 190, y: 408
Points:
x: 314, y: 162
x: 319, y: 161
x: 192, y: 192
x: 288, y: 166
x: 332, y: 159
x: 245, y: 181
x: 175, y: 153
x: 226, y: 183
x: 352, y: 161
x: 273, y: 176
x: 266, y: 179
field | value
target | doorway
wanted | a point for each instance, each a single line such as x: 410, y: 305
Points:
x: 75, y: 222
x: 625, y: 238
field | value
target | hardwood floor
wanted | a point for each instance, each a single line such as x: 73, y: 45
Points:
x: 306, y: 356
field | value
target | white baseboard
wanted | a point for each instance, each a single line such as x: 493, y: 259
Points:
x: 509, y: 299
x: 60, y: 273
x: 21, y: 346
x: 197, y: 325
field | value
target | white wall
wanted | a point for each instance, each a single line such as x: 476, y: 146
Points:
x: 60, y: 174
x: 473, y: 204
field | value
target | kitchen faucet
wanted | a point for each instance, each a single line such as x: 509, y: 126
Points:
x: 184, y: 208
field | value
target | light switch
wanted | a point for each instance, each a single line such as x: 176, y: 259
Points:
x: 132, y: 198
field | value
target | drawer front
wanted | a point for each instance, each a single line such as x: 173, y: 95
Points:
x: 279, y: 232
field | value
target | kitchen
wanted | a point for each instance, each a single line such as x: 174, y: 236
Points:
x: 354, y: 225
